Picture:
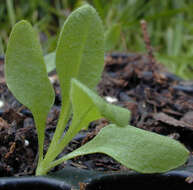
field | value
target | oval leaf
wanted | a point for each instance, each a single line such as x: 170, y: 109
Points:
x: 80, y: 50
x: 137, y: 149
x: 26, y: 74
x: 79, y: 54
x: 87, y: 107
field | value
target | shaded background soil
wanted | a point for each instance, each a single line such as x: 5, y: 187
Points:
x: 159, y: 102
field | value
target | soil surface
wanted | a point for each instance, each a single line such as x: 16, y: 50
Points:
x: 159, y: 101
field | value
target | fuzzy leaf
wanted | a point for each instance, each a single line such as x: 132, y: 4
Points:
x: 80, y: 50
x: 79, y: 54
x: 137, y: 149
x: 26, y: 74
x: 88, y: 106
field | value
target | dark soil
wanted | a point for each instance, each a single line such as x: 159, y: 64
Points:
x: 159, y: 102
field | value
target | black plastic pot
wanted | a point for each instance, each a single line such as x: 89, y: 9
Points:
x: 93, y: 180
x: 33, y: 183
x: 74, y: 178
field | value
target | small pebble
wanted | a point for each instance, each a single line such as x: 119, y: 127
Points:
x: 26, y: 142
x: 1, y: 103
x: 111, y: 99
x: 53, y: 79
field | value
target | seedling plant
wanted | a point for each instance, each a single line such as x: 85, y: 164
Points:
x: 79, y: 63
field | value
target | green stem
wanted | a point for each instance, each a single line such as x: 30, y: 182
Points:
x: 44, y: 167
x: 46, y: 164
x: 40, y: 126
x: 64, y: 117
x: 61, y: 143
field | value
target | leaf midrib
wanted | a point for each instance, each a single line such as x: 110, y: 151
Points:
x: 83, y: 48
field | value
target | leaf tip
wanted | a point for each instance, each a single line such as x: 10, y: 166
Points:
x: 22, y: 22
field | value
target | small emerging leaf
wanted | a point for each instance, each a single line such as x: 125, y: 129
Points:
x: 140, y: 150
x: 88, y: 106
x: 26, y: 74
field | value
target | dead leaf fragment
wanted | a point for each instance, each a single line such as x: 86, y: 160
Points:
x: 3, y: 124
x: 82, y: 185
x: 188, y: 118
x: 171, y: 121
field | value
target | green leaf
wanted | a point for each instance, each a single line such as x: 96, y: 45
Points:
x: 26, y: 74
x: 80, y: 50
x: 80, y: 55
x: 112, y: 36
x: 137, y: 149
x: 50, y: 61
x: 88, y: 106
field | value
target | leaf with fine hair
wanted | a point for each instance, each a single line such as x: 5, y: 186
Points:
x: 88, y: 106
x: 80, y: 55
x: 26, y: 75
x: 137, y: 149
x: 84, y: 99
x: 80, y: 50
